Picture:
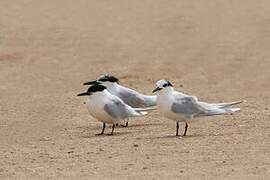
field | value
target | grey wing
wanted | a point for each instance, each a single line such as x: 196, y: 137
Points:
x: 132, y: 99
x: 187, y: 106
x: 117, y: 109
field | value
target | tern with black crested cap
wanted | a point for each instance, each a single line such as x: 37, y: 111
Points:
x: 129, y: 96
x: 108, y: 108
x: 181, y: 107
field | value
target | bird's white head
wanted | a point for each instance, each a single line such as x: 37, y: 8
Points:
x: 106, y: 80
x: 163, y: 86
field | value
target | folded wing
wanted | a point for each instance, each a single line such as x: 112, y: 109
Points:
x: 137, y: 100
x: 190, y: 107
x: 118, y: 110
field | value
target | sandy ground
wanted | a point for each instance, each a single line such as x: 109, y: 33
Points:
x: 217, y: 50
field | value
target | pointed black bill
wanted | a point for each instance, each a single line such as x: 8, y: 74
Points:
x: 157, y: 89
x: 92, y: 83
x: 84, y: 94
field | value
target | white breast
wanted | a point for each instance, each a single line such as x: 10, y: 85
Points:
x: 164, y: 102
x: 95, y: 107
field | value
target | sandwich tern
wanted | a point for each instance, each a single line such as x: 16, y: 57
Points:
x: 181, y: 107
x: 108, y: 108
x: 129, y: 96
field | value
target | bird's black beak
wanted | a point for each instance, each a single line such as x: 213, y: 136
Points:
x: 84, y: 94
x: 157, y: 89
x: 92, y: 83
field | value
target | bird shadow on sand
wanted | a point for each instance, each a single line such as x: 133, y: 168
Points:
x: 105, y: 135
x: 142, y: 125
x: 195, y: 136
x: 130, y: 125
x: 95, y: 130
x: 178, y: 137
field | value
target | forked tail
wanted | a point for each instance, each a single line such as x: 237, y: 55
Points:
x: 146, y: 109
x: 220, y: 111
x: 226, y: 105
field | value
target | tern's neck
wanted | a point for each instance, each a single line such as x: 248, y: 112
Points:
x: 166, y: 91
x: 105, y: 92
x: 112, y: 86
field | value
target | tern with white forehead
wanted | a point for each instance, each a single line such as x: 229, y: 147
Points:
x: 108, y: 108
x: 181, y: 107
x: 129, y: 96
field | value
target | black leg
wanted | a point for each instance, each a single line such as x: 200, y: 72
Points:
x: 102, y: 132
x: 112, y: 130
x: 177, y: 128
x: 125, y: 125
x: 186, y: 129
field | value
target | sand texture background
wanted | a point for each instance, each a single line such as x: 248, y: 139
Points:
x: 217, y: 50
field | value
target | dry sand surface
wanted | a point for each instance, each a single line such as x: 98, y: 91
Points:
x: 218, y: 50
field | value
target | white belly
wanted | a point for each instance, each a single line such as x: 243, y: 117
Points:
x: 97, y: 111
x: 164, y: 105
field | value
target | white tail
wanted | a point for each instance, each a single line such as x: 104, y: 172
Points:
x: 145, y: 109
x: 143, y: 113
x: 226, y: 105
x: 234, y: 109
